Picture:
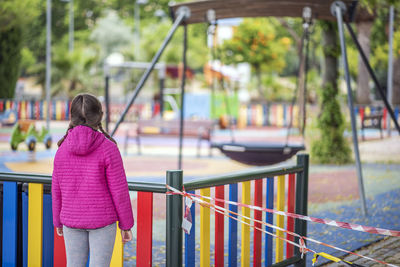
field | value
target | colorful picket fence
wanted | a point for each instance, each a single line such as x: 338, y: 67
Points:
x: 59, y: 109
x: 279, y: 114
x: 274, y: 114
x: 362, y: 111
x: 37, y: 110
x: 256, y: 189
x: 28, y: 235
x: 257, y: 115
x: 29, y: 238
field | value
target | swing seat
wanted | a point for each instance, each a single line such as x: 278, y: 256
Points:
x: 258, y: 154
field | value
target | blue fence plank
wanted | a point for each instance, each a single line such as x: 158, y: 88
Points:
x: 232, y: 252
x: 24, y: 229
x: 285, y: 115
x: 265, y: 113
x: 48, y: 232
x: 190, y: 240
x: 269, y: 219
x: 53, y: 110
x: 67, y: 110
x: 10, y: 223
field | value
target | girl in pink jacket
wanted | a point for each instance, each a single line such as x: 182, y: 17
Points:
x: 89, y: 188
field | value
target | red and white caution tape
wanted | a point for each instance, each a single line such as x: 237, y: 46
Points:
x: 301, y: 245
x: 345, y: 225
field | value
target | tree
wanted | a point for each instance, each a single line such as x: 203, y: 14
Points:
x: 14, y: 15
x: 372, y: 36
x: 111, y: 33
x: 254, y: 41
x: 153, y: 35
x: 380, y: 62
x: 330, y: 146
x: 363, y: 36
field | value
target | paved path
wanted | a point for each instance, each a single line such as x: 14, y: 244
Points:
x: 387, y: 250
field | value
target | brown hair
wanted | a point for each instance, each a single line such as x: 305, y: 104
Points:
x: 86, y: 110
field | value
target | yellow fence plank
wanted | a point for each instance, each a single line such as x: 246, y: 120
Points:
x: 245, y: 251
x: 205, y: 231
x: 117, y: 259
x: 35, y: 224
x: 280, y: 205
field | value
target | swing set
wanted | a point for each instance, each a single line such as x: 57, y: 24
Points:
x: 344, y: 12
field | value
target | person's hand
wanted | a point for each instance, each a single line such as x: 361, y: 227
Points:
x: 59, y: 231
x: 126, y: 236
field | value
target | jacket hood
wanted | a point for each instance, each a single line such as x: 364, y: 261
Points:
x: 82, y: 140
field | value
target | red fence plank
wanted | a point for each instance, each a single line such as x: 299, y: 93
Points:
x: 219, y: 228
x: 145, y: 229
x: 258, y: 189
x: 60, y: 259
x: 290, y: 221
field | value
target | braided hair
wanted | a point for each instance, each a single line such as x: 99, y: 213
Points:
x: 86, y: 110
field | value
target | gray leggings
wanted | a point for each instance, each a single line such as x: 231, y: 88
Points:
x: 100, y: 241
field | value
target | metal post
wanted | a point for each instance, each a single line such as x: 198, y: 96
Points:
x: 71, y: 25
x: 182, y: 114
x: 301, y: 203
x: 212, y: 44
x: 185, y: 13
x: 137, y: 29
x: 174, y: 221
x: 162, y: 82
x: 48, y: 62
x: 390, y: 66
x: 107, y: 101
x: 161, y: 76
x: 338, y: 6
x: 306, y: 63
x: 373, y: 76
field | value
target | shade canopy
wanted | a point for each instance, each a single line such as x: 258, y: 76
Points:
x: 268, y: 8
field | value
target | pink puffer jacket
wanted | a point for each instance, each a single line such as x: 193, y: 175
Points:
x: 89, y: 187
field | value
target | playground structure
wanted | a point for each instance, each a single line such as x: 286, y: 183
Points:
x: 161, y: 67
x: 27, y: 228
x: 25, y: 131
x: 343, y: 11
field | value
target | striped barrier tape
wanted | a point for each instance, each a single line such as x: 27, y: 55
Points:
x: 332, y: 258
x: 301, y: 245
x: 345, y: 225
x: 225, y: 212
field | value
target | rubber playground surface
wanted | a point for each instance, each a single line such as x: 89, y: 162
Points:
x: 333, y: 190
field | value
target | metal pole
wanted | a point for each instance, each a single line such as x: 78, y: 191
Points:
x: 307, y: 39
x: 182, y: 15
x: 181, y: 118
x: 338, y: 13
x: 71, y: 25
x: 162, y: 82
x: 107, y: 101
x: 390, y: 66
x: 137, y: 29
x: 212, y: 30
x: 373, y: 76
x: 301, y: 203
x: 300, y: 71
x: 48, y: 62
x: 174, y: 221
